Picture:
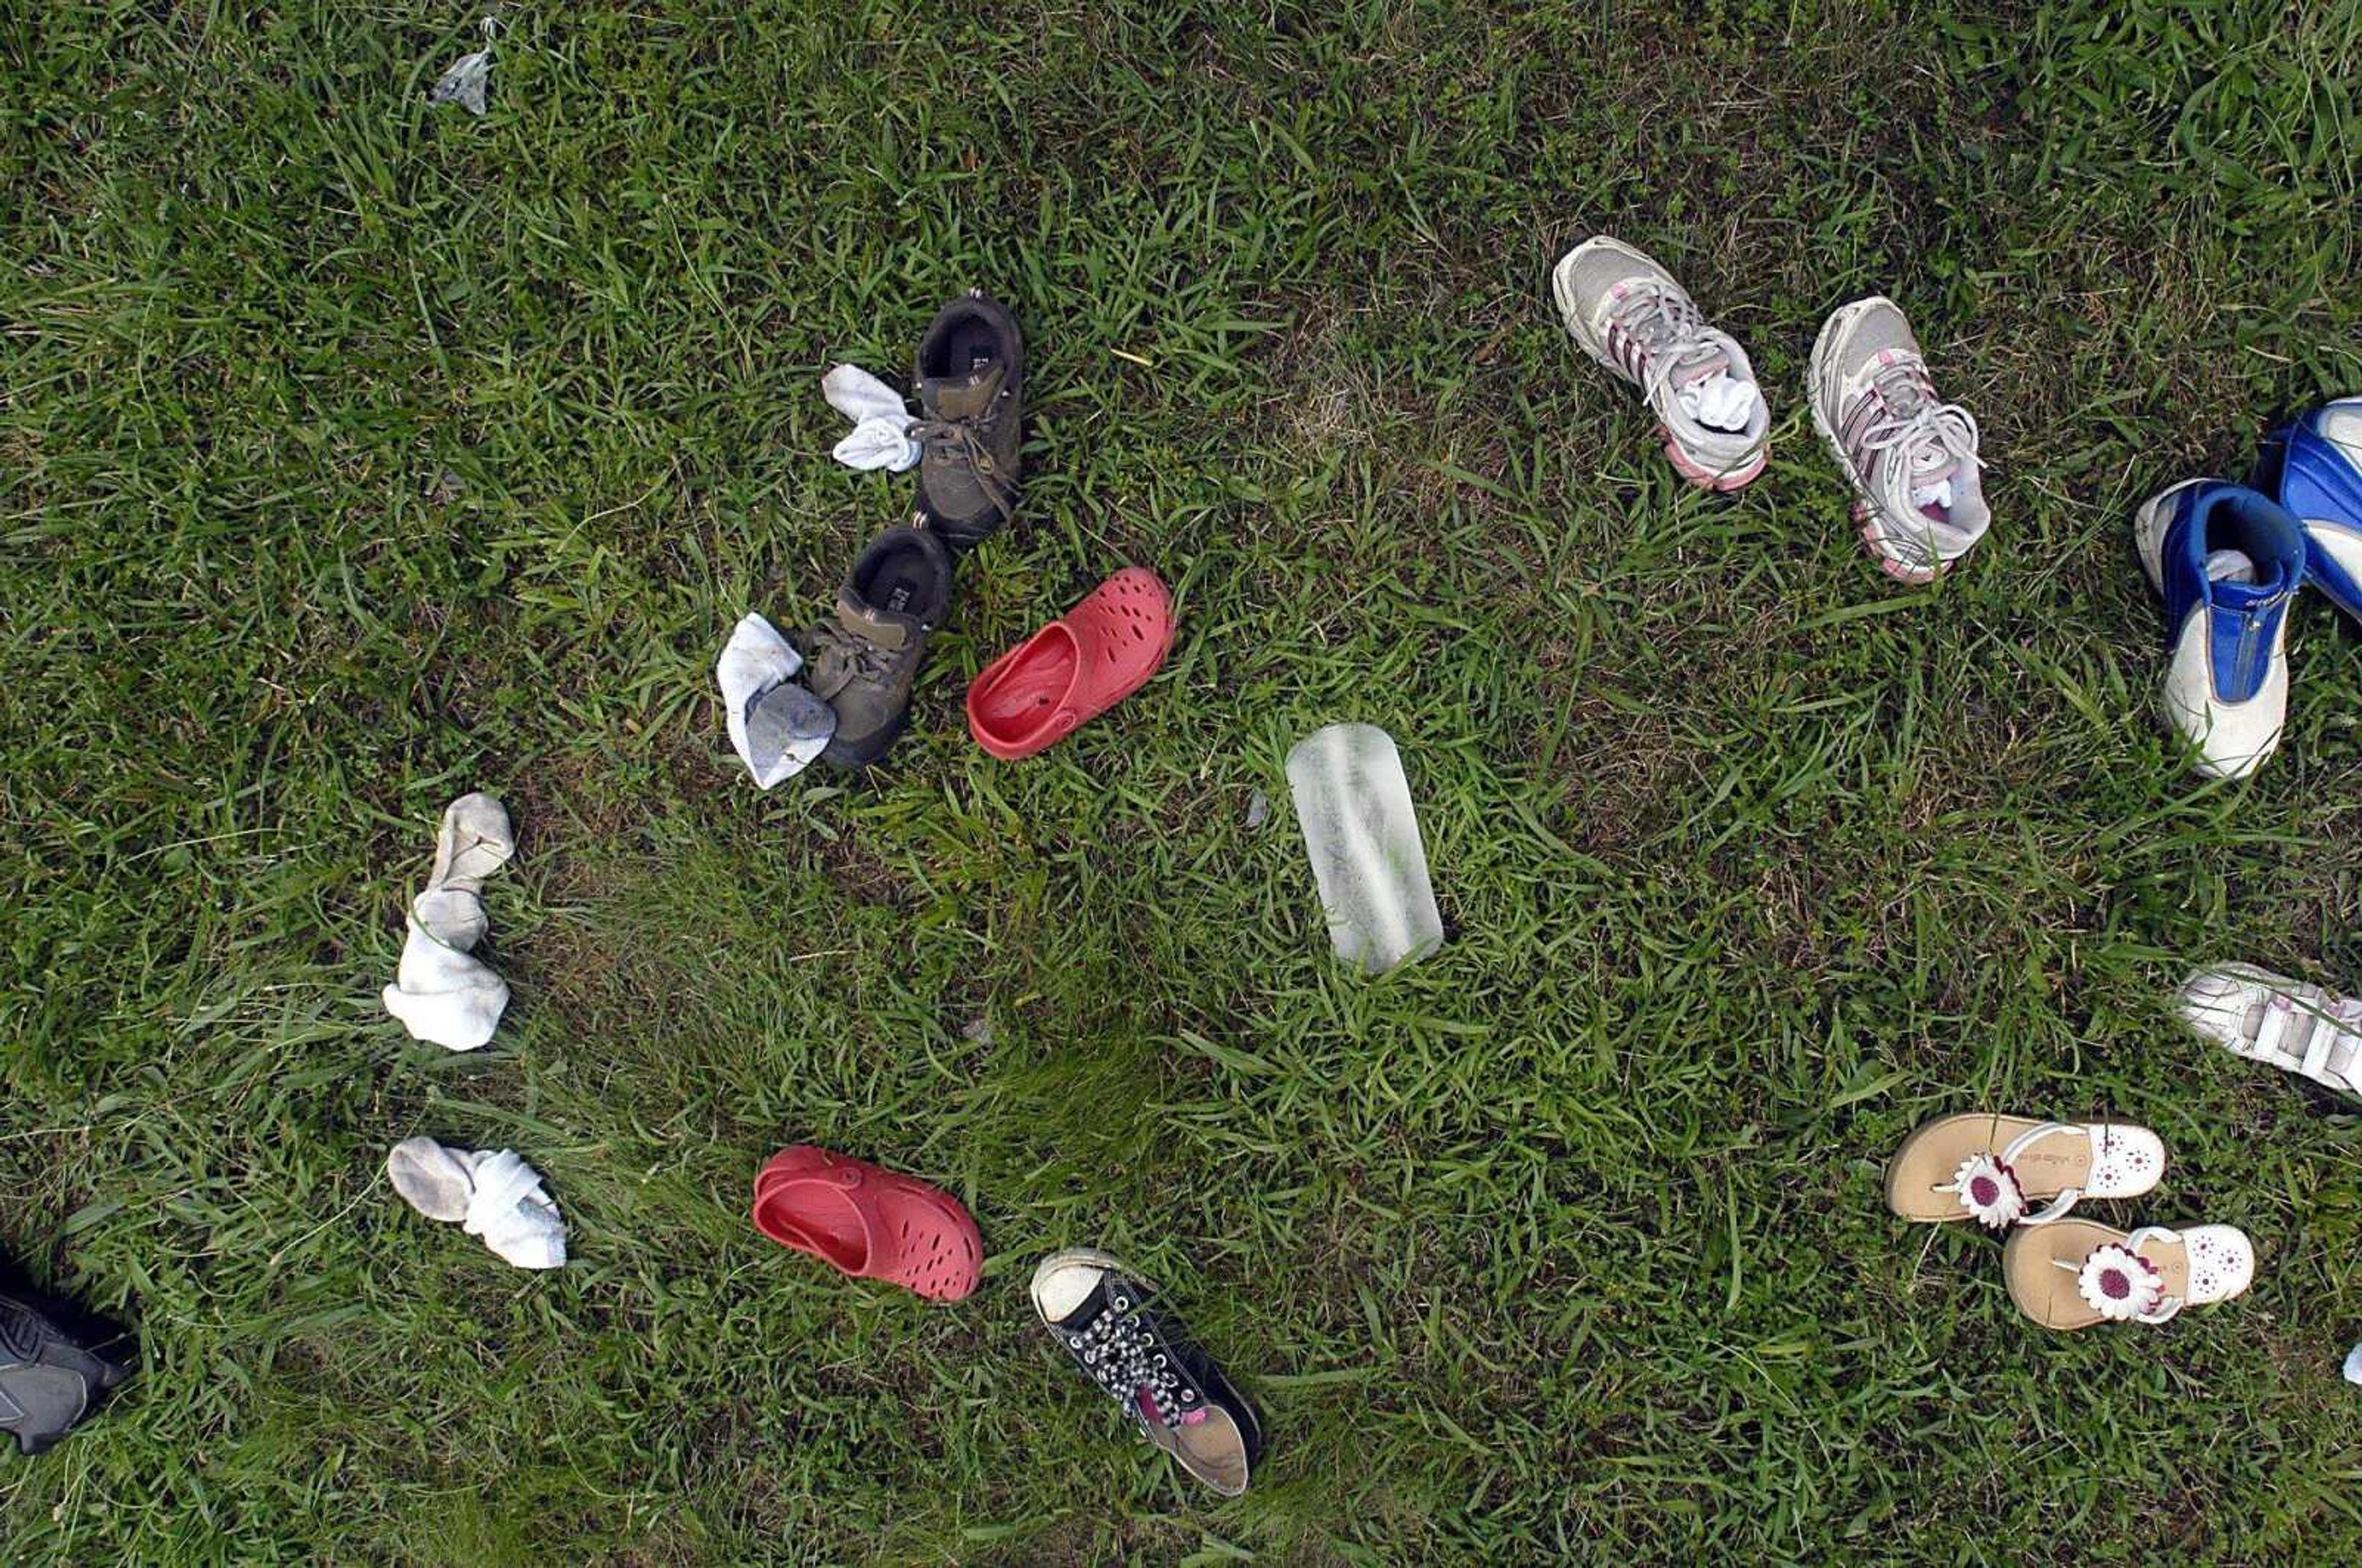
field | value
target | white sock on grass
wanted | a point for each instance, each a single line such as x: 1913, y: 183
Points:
x: 489, y: 1193
x: 776, y: 726
x: 441, y: 991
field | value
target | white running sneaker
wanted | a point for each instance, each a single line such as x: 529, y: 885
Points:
x: 2226, y: 560
x: 2270, y: 1018
x: 1628, y: 313
x: 1910, y: 458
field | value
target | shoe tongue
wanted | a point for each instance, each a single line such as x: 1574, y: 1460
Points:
x: 1932, y: 491
x: 963, y: 397
x: 880, y: 628
x: 1925, y: 471
x: 1702, y: 361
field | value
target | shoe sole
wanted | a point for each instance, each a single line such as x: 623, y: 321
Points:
x: 1868, y: 527
x: 853, y: 758
x: 1707, y: 479
x: 1689, y: 470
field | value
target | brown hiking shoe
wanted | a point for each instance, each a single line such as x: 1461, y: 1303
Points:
x: 863, y: 662
x: 972, y: 395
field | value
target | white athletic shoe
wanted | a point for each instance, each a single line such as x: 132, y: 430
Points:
x: 1910, y: 457
x: 1628, y: 313
x: 2265, y: 1017
x: 2226, y: 560
x: 2314, y: 468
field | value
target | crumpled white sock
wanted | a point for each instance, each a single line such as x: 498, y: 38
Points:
x: 1938, y: 495
x: 777, y: 728
x: 881, y: 437
x: 1720, y: 400
x: 493, y: 1194
x: 441, y: 991
x: 2230, y: 566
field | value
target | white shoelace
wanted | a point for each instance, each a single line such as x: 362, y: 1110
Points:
x: 1920, y: 427
x: 1655, y: 332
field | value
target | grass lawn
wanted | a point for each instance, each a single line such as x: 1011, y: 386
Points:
x: 354, y: 454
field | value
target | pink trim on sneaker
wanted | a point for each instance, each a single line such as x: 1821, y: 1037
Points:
x: 1705, y: 477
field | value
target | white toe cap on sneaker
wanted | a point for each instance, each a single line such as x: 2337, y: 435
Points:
x: 1065, y: 1280
x: 2222, y: 1262
x: 2232, y: 738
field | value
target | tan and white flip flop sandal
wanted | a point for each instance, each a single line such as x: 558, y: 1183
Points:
x: 2079, y: 1273
x: 1993, y: 1169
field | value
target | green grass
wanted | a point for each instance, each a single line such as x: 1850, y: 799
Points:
x: 1563, y: 1245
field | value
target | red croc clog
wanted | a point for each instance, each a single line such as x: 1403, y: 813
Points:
x: 871, y: 1223
x: 1074, y: 669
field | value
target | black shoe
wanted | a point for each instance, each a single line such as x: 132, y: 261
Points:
x: 56, y: 1364
x: 863, y: 661
x: 972, y: 395
x: 1146, y: 1361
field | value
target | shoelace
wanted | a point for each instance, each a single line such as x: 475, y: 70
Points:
x: 1120, y: 1350
x: 838, y: 656
x: 957, y: 439
x: 1915, y: 423
x: 1654, y: 331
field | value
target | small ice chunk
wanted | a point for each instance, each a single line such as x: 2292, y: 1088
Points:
x: 1258, y: 810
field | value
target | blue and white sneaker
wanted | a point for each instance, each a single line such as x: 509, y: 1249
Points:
x: 2227, y: 561
x: 2314, y: 469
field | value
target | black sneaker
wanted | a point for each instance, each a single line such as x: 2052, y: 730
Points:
x: 1145, y: 1360
x: 863, y: 661
x: 56, y: 1362
x: 972, y: 396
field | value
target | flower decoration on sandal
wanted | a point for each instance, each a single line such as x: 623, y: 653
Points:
x: 2119, y: 1284
x: 1988, y: 1189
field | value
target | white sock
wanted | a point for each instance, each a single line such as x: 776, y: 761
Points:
x: 881, y: 437
x: 1720, y: 401
x: 490, y: 1193
x: 777, y: 727
x: 441, y: 992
